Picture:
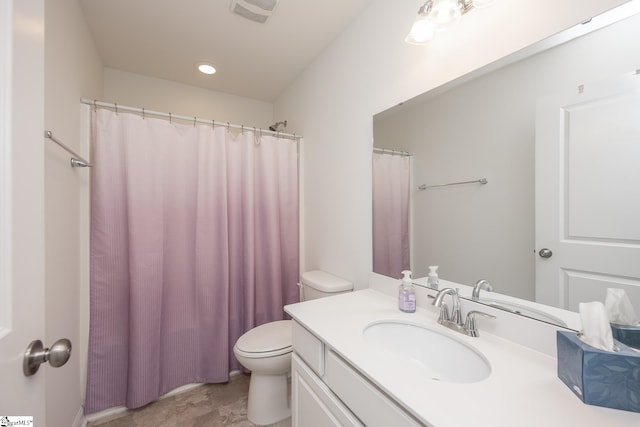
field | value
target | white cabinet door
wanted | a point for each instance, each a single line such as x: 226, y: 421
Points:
x: 588, y: 193
x: 313, y: 404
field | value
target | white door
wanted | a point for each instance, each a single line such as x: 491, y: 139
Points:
x: 588, y: 193
x: 21, y: 204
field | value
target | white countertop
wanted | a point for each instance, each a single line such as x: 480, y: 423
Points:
x: 522, y: 390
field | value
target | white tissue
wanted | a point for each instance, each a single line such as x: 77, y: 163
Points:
x: 619, y: 307
x: 596, y: 330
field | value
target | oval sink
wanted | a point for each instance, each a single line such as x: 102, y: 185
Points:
x: 444, y: 358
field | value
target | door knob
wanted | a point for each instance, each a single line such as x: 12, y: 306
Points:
x: 545, y: 253
x: 36, y: 354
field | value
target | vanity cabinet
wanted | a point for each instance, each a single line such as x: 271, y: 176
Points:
x: 313, y: 403
x: 327, y: 391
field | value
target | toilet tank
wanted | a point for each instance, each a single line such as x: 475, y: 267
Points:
x: 319, y: 284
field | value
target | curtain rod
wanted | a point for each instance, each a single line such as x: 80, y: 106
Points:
x: 395, y: 152
x: 194, y: 120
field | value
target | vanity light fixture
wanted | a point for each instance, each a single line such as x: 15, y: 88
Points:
x: 438, y: 15
x: 206, y: 68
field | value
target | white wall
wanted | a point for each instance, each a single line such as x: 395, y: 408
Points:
x: 136, y: 90
x: 486, y: 128
x: 72, y: 70
x: 368, y: 69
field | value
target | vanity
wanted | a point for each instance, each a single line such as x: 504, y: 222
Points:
x: 342, y: 376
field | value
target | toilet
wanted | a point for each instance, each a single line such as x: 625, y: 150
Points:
x: 266, y: 351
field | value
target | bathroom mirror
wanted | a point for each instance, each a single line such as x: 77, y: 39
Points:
x: 483, y: 126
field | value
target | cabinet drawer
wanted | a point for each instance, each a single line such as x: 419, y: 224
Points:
x: 364, y: 399
x: 309, y: 348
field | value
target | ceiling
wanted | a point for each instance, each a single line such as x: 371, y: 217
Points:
x: 166, y: 38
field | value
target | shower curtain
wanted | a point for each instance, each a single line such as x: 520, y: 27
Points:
x: 391, y: 246
x: 194, y: 240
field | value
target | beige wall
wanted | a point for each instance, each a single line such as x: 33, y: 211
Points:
x: 136, y: 90
x: 368, y: 69
x: 72, y: 69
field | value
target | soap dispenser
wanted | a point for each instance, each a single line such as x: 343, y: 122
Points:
x: 432, y: 277
x: 407, y: 294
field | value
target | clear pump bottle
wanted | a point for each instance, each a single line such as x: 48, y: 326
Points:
x: 432, y: 277
x: 407, y: 294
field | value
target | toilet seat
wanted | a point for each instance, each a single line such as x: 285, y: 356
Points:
x: 267, y: 340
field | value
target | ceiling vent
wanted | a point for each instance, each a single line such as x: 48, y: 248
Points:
x: 255, y: 10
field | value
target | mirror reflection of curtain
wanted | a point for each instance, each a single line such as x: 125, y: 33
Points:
x: 194, y: 241
x: 391, y: 246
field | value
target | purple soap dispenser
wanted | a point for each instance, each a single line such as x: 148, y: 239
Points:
x: 407, y: 294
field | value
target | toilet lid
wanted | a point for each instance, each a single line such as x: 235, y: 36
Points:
x: 266, y: 338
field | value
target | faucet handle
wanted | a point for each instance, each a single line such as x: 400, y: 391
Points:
x: 470, y: 327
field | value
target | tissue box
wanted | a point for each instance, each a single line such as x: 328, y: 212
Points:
x: 629, y: 335
x: 601, y: 378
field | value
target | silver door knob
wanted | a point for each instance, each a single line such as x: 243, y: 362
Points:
x: 36, y: 354
x: 545, y: 253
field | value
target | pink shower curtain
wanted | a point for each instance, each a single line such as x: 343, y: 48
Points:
x: 391, y: 248
x: 194, y: 240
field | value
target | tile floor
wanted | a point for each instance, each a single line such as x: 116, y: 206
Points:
x: 211, y: 405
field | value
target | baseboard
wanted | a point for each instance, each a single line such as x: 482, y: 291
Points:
x: 80, y: 420
x: 106, y: 415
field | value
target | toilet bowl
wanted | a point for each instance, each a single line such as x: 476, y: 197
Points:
x: 266, y: 351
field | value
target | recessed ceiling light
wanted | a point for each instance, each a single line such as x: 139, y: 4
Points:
x: 206, y: 68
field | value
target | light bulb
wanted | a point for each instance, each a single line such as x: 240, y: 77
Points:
x: 446, y: 13
x: 422, y: 30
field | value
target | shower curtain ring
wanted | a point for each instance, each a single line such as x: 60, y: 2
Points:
x: 213, y: 124
x: 116, y: 106
x: 143, y: 113
x: 169, y: 118
x: 228, y: 126
x: 95, y: 105
x: 194, y: 121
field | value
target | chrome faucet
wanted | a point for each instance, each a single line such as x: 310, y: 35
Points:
x: 454, y: 320
x: 480, y: 284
